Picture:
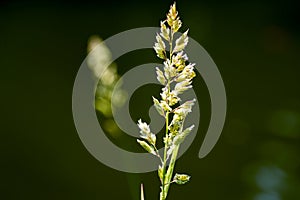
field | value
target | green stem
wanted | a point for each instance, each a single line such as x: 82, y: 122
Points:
x: 166, y: 178
x: 165, y: 151
x: 169, y: 174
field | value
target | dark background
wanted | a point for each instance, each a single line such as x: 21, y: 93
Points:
x: 255, y: 45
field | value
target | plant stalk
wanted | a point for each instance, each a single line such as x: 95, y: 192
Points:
x: 165, y: 155
x: 169, y: 174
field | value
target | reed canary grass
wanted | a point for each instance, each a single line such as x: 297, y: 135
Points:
x: 178, y: 72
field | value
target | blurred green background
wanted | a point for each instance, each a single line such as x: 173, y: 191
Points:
x: 256, y: 46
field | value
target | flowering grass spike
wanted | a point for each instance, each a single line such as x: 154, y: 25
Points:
x: 178, y: 72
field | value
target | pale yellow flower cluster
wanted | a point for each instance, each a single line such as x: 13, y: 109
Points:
x: 176, y: 77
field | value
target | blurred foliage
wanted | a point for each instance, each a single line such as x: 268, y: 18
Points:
x: 256, y: 46
x: 106, y: 76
